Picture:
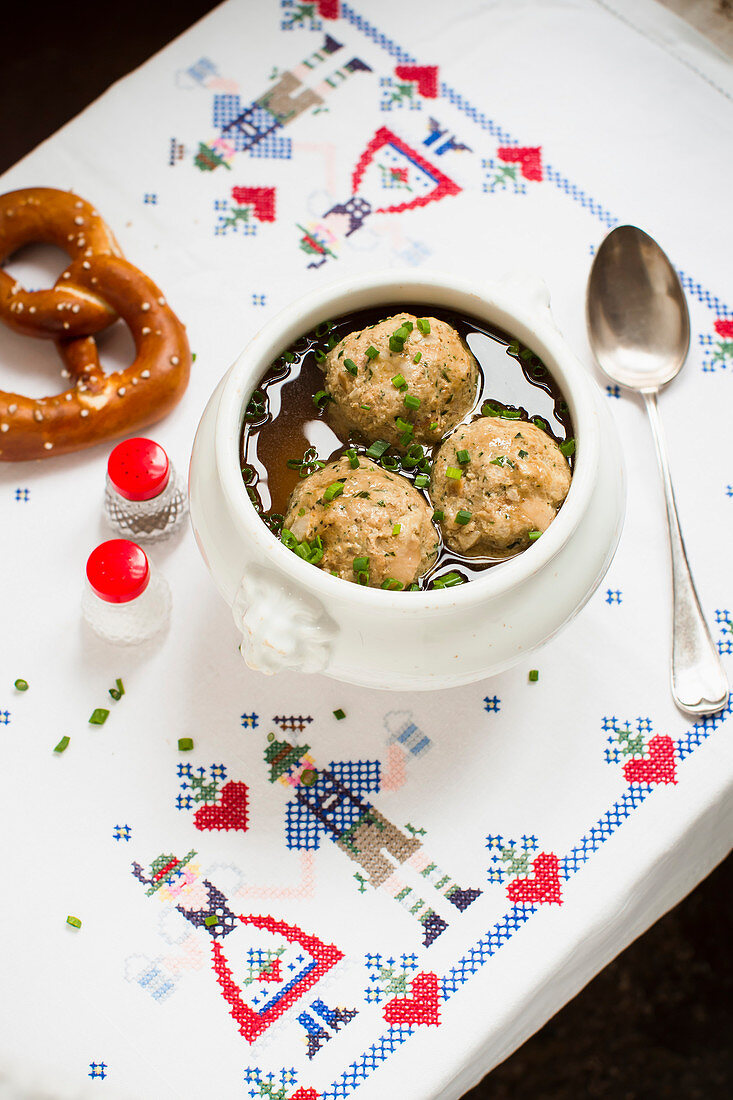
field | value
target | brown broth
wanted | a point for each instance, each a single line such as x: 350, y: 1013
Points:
x: 286, y: 422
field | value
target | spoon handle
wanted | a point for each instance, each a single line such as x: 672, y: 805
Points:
x: 699, y: 684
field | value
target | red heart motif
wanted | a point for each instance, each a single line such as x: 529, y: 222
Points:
x: 425, y: 76
x: 271, y: 973
x: 230, y: 812
x: 657, y: 767
x: 420, y: 1008
x: 528, y: 157
x: 543, y: 887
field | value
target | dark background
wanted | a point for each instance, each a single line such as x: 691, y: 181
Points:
x: 658, y: 1021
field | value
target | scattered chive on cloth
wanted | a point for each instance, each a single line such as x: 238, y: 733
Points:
x: 294, y: 905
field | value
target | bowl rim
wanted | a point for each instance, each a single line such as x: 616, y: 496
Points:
x: 520, y: 306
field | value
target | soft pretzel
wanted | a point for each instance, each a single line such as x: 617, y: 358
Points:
x: 43, y: 214
x: 103, y: 406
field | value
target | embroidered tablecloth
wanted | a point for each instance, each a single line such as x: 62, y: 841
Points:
x: 467, y: 859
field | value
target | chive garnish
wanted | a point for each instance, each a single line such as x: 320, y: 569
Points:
x: 568, y: 447
x: 335, y: 489
x: 413, y: 588
x: 372, y: 353
x: 395, y: 343
x: 410, y: 401
x: 424, y: 325
x: 434, y: 426
x: 74, y: 922
x: 21, y: 685
x: 454, y: 472
x: 418, y: 357
x: 310, y: 552
x: 448, y: 580
x: 185, y: 744
x: 404, y: 426
x: 211, y: 921
x: 463, y: 516
x: 365, y: 407
x: 320, y: 355
x: 288, y: 357
x: 353, y: 458
x: 463, y: 457
x: 392, y: 585
x: 534, y: 535
x: 339, y: 714
x: 118, y: 691
x: 523, y: 454
x: 361, y: 564
x: 320, y: 398
x: 377, y: 448
x: 397, y: 527
x: 422, y: 481
x: 438, y: 515
x: 62, y: 745
x: 322, y: 328
x: 534, y: 675
x: 99, y: 717
x: 350, y: 366
x: 399, y: 382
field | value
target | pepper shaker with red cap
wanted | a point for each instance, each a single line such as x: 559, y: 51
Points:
x: 143, y: 499
x: 126, y: 600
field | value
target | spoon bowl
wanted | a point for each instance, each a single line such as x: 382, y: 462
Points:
x: 636, y: 311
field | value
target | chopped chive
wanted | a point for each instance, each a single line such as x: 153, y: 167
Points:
x: 339, y: 714
x: 396, y: 528
x: 62, y: 745
x: 365, y: 407
x: 99, y: 717
x: 534, y: 535
x: 185, y: 744
x: 301, y: 511
x: 310, y: 552
x: 361, y: 564
x: 21, y: 685
x: 511, y: 414
x: 463, y: 457
x: 350, y: 366
x: 439, y: 515
x: 523, y: 454
x: 353, y: 458
x: 500, y: 460
x: 454, y: 472
x: 335, y: 489
x: 399, y: 381
x: 396, y: 344
x: 463, y: 516
x: 541, y: 423
x: 534, y: 675
x: 413, y: 588
x: 448, y: 580
x: 417, y: 357
x: 211, y: 921
x: 320, y: 398
x: 568, y: 447
x: 320, y: 355
x: 434, y: 426
x: 392, y: 585
x: 422, y: 481
x: 362, y: 578
x: 74, y: 922
x: 372, y: 353
x: 424, y: 325
x: 322, y: 328
x: 377, y: 448
x: 410, y: 401
x: 119, y: 690
x: 404, y: 426
x: 288, y: 357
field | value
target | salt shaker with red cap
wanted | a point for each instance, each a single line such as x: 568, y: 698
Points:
x: 126, y: 600
x: 143, y: 499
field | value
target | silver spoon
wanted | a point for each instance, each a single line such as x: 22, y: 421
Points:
x: 639, y: 330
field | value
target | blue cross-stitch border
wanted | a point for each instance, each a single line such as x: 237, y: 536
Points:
x: 633, y: 796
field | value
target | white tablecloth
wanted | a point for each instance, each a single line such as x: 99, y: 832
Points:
x: 548, y: 823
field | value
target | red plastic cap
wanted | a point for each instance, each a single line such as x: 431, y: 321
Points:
x: 118, y: 571
x: 139, y: 469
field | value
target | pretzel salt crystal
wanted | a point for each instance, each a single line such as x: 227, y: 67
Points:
x: 44, y: 214
x: 104, y: 406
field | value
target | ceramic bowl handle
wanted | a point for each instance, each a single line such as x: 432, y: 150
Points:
x: 282, y: 629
